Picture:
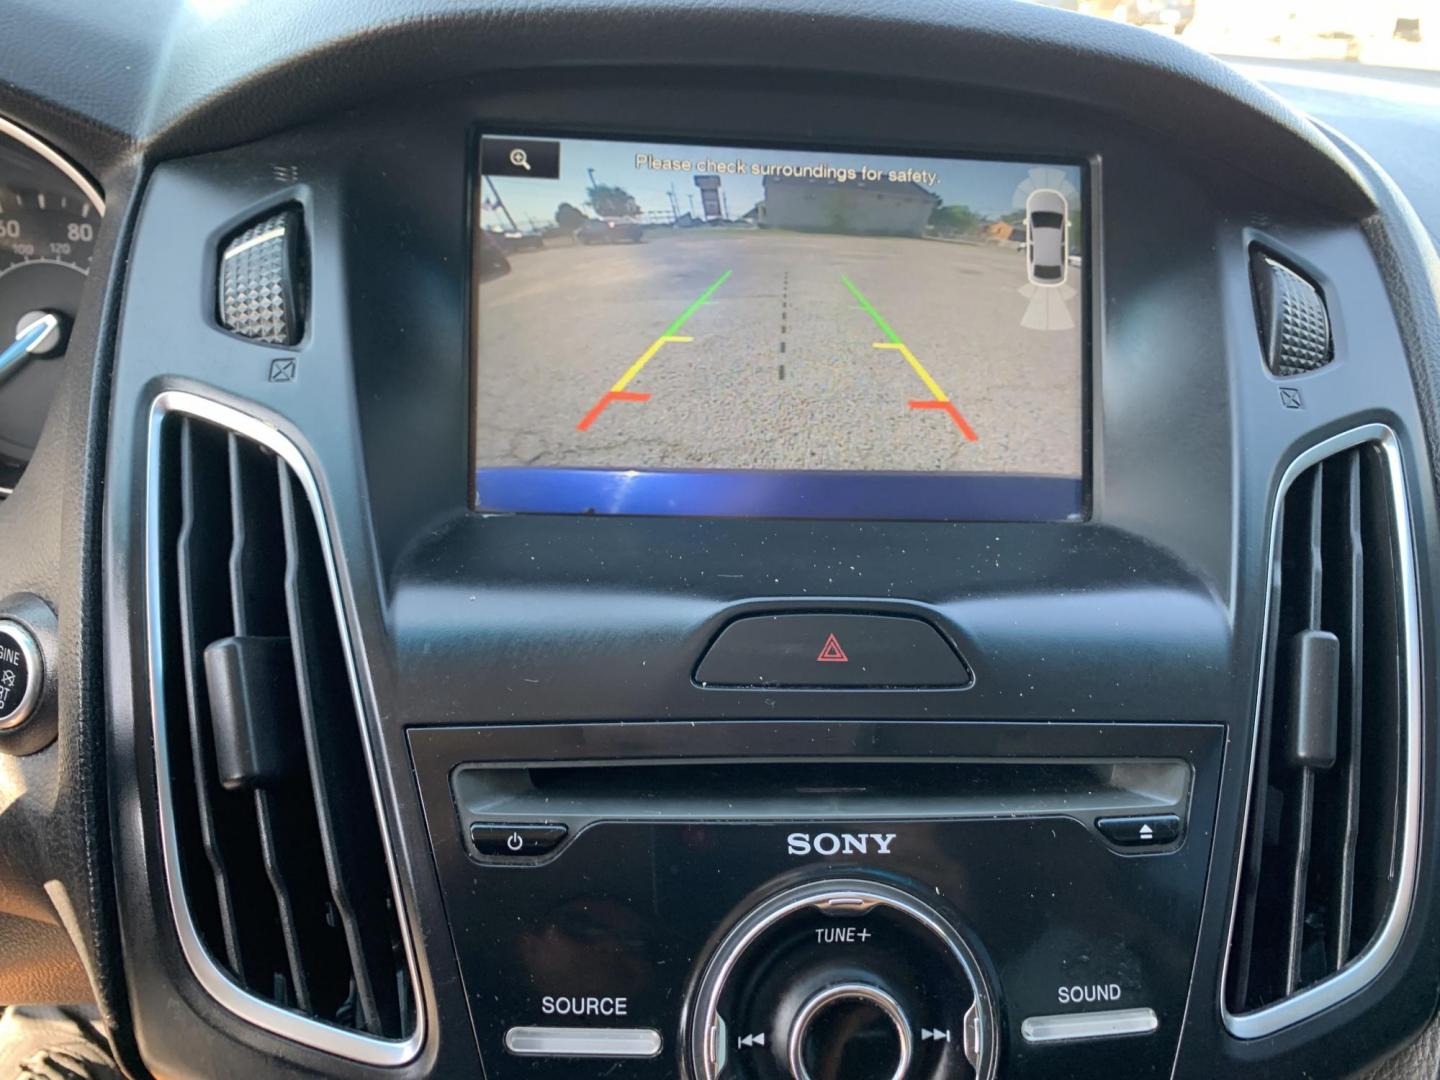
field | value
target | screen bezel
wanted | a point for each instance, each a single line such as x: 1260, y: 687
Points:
x: 1087, y: 164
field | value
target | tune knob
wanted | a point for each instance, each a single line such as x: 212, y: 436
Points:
x: 843, y: 980
x: 850, y: 1030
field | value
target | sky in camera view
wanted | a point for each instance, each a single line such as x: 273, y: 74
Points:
x: 987, y: 187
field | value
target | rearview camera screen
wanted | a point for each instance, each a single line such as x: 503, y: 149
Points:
x: 753, y: 332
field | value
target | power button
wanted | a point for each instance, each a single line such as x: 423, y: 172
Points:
x: 494, y: 840
x: 21, y: 674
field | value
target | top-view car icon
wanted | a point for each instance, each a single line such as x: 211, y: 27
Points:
x: 1046, y: 245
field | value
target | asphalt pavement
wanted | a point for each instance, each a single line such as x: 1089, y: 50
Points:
x: 742, y: 348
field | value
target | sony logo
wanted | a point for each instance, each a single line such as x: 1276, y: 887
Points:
x: 829, y: 843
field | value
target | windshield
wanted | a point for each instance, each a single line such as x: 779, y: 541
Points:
x: 1382, y: 33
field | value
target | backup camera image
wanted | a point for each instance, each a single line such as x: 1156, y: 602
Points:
x: 703, y: 330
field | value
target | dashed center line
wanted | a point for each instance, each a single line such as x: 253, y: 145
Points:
x: 784, y: 315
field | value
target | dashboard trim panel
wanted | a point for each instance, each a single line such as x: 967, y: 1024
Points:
x: 571, y: 642
x: 216, y: 982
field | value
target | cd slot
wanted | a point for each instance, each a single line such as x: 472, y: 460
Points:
x: 818, y: 789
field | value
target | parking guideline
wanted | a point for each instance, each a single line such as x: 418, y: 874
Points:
x: 671, y: 334
x: 941, y: 399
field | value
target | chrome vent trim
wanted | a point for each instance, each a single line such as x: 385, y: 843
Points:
x: 1366, y: 966
x: 353, y: 1045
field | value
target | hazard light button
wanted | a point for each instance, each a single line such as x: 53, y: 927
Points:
x: 821, y: 651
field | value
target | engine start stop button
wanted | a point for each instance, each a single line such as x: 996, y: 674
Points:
x: 20, y: 674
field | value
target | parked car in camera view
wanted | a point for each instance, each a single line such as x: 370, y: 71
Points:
x: 1046, y: 248
x: 492, y: 258
x: 612, y: 231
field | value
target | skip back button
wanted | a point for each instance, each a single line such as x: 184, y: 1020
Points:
x: 493, y: 840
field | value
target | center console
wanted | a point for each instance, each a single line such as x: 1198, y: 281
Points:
x: 822, y: 872
x: 820, y: 900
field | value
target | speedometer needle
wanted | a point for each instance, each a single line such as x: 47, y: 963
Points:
x: 27, y: 342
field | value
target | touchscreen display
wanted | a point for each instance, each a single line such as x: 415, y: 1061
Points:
x: 759, y: 332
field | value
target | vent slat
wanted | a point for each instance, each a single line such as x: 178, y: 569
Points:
x: 244, y: 911
x: 253, y: 557
x: 1315, y: 578
x: 1382, y: 677
x: 1352, y: 605
x: 1243, y: 945
x: 282, y: 863
x: 197, y: 546
x: 1299, y: 872
x: 277, y: 871
x: 1302, y: 785
x: 338, y: 774
x: 1324, y: 820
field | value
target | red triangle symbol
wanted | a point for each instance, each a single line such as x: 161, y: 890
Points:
x: 832, y: 653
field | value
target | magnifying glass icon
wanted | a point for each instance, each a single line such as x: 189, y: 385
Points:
x: 520, y: 159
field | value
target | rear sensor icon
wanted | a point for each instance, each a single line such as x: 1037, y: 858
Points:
x: 832, y: 653
x: 1045, y: 198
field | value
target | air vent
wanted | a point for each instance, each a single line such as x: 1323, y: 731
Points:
x: 277, y: 861
x: 1329, y: 840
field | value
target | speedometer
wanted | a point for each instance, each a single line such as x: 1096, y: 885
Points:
x: 49, y: 217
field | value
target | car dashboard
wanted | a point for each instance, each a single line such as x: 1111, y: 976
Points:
x: 716, y: 540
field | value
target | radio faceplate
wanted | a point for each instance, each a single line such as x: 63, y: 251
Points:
x: 595, y: 946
